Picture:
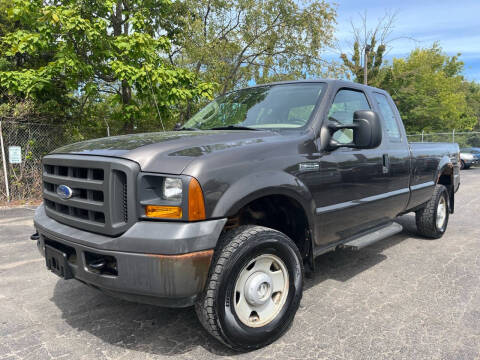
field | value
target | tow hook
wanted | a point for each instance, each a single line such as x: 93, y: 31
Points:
x: 35, y: 236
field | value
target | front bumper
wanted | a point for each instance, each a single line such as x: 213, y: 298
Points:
x: 471, y: 162
x: 162, y: 263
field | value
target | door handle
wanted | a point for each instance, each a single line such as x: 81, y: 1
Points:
x: 386, y: 164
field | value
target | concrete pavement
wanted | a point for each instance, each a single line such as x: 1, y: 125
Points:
x: 405, y: 297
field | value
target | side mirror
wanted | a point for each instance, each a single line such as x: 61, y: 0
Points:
x: 367, y: 131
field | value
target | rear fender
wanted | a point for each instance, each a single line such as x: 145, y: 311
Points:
x: 445, y: 168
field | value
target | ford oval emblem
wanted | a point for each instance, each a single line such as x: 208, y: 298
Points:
x: 64, y: 192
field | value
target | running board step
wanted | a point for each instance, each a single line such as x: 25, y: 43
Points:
x: 373, y: 237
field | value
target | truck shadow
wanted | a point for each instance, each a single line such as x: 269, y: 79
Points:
x: 163, y: 331
x: 132, y: 326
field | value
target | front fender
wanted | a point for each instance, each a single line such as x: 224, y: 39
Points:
x: 254, y: 186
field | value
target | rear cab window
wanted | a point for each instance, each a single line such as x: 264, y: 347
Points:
x: 389, y: 119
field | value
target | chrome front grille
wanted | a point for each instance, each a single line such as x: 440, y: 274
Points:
x: 103, y: 198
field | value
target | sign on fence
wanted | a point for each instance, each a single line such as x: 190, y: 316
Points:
x: 14, y: 154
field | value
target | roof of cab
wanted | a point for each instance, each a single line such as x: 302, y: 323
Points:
x: 340, y: 83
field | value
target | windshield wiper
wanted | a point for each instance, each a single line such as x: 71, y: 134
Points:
x: 233, y: 127
x: 186, y: 129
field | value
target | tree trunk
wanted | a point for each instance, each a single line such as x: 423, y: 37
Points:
x: 187, y: 111
x: 126, y: 99
x: 125, y: 88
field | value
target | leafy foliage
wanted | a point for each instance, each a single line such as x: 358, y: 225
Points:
x: 374, y: 62
x: 67, y: 55
x: 240, y: 42
x: 146, y: 64
x: 472, y: 90
x: 429, y: 91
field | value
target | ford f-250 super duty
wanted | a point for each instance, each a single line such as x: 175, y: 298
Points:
x: 228, y: 212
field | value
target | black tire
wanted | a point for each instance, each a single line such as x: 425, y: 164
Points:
x: 215, y: 308
x: 426, y: 218
x: 462, y: 164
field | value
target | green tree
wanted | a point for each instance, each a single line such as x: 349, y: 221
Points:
x: 374, y: 62
x: 69, y: 54
x: 240, y: 42
x: 429, y: 91
x: 375, y: 41
x: 472, y: 90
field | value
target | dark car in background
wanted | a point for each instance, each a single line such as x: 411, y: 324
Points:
x: 469, y: 157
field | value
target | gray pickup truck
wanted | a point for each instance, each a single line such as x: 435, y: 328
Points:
x: 230, y: 211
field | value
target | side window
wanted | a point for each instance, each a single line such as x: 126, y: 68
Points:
x: 388, y: 115
x: 346, y: 102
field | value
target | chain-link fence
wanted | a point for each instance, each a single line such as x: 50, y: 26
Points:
x: 31, y: 141
x: 24, y: 145
x: 463, y: 139
x: 35, y: 140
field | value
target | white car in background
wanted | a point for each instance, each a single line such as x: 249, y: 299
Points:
x: 469, y: 157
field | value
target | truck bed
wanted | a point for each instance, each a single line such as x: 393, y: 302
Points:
x: 427, y: 158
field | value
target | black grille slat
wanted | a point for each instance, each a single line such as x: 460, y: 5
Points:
x: 119, y: 191
x: 62, y: 171
x: 49, y: 186
x: 101, y: 190
x: 74, y: 172
x: 97, y: 174
x: 98, y: 217
x: 96, y: 195
x: 81, y: 173
x: 125, y: 203
x: 49, y: 169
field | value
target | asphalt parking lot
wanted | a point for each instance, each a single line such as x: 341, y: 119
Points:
x: 403, y: 298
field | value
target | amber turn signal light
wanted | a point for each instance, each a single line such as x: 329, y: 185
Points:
x: 165, y: 212
x: 196, y: 204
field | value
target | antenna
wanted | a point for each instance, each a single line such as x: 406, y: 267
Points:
x: 155, y: 101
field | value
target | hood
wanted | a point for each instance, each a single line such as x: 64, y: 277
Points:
x: 167, y: 152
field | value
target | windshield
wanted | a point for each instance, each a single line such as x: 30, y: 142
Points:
x: 264, y: 107
x: 473, y: 151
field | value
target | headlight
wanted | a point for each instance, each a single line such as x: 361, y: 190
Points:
x: 172, y: 189
x: 162, y: 197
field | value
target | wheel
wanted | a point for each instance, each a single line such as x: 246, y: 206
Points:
x: 432, y: 220
x: 254, y: 288
x: 464, y: 166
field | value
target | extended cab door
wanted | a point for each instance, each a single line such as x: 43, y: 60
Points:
x: 351, y: 184
x: 396, y: 155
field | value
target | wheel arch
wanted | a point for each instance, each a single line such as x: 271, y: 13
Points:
x: 278, y: 188
x: 445, y: 177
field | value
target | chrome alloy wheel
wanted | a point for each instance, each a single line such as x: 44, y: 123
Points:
x: 261, y: 289
x: 441, y: 213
